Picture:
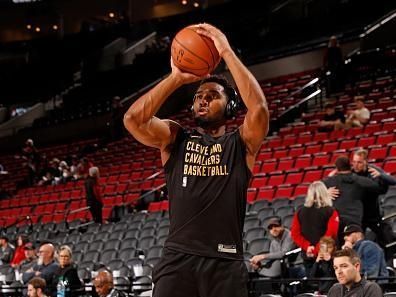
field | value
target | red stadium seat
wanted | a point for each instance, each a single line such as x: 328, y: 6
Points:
x: 321, y: 159
x: 284, y: 191
x: 259, y: 181
x: 312, y: 175
x: 294, y: 178
x: 301, y: 190
x: 251, y: 195
x: 266, y: 193
x: 275, y: 180
x: 303, y: 161
x: 313, y: 149
x: 285, y: 163
x: 330, y: 146
x: 269, y: 165
x: 377, y: 152
x: 384, y: 139
x: 366, y: 141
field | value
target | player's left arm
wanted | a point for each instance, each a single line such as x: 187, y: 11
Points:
x: 255, y: 125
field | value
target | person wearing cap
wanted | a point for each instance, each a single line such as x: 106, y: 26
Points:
x: 6, y: 250
x: 281, y: 243
x: 104, y: 285
x: 30, y: 257
x: 371, y: 254
x: 347, y: 265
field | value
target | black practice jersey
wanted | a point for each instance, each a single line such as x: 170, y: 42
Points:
x: 207, y: 180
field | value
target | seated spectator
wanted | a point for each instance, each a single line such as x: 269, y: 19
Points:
x: 371, y: 255
x: 36, y: 287
x: 30, y: 258
x: 323, y: 266
x: 44, y: 267
x: 6, y: 250
x: 358, y: 117
x: 65, y: 174
x: 104, y: 285
x: 315, y: 219
x: 19, y: 254
x: 74, y: 167
x: 347, y: 269
x: 332, y: 120
x: 69, y: 284
x: 281, y: 243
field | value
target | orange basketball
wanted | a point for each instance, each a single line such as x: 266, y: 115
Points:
x: 194, y: 53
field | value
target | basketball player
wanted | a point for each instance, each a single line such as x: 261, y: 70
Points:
x: 207, y: 173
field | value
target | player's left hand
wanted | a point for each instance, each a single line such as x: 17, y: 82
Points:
x: 218, y: 37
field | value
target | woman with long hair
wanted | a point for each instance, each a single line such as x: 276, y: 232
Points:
x: 315, y: 219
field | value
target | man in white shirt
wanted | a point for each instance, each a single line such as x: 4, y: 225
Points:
x: 358, y: 117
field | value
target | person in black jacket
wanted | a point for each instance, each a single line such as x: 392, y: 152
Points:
x: 66, y: 278
x: 371, y: 208
x: 353, y: 189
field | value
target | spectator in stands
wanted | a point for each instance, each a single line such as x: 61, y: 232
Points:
x: 32, y: 159
x: 332, y: 120
x: 36, y: 287
x: 74, y: 167
x: 281, y: 243
x: 315, y: 219
x: 347, y: 268
x: 45, y: 267
x: 65, y: 174
x: 104, y: 285
x: 69, y: 284
x: 352, y: 190
x: 358, y: 117
x: 207, y: 172
x: 83, y: 168
x: 371, y: 207
x: 323, y: 266
x: 19, y: 254
x: 30, y: 258
x: 6, y: 250
x: 333, y: 63
x: 371, y: 255
x: 93, y: 194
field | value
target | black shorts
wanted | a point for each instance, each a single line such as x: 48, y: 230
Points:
x: 180, y: 275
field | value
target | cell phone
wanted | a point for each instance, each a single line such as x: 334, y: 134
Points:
x: 323, y: 248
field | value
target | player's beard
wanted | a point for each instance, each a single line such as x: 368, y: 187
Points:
x: 206, y: 123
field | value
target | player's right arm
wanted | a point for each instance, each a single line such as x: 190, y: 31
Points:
x: 140, y: 118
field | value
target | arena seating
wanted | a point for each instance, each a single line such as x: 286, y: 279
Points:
x: 288, y: 161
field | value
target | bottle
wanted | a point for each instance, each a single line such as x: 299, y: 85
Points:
x: 60, y: 288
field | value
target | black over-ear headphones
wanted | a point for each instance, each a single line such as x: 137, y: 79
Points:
x: 231, y: 107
